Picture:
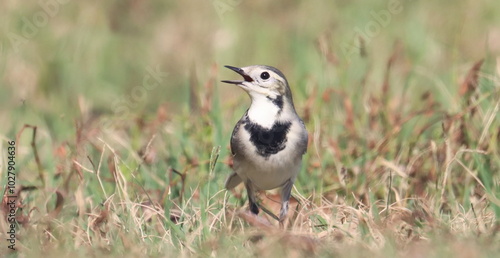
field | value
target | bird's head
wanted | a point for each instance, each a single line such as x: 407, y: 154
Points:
x: 262, y: 81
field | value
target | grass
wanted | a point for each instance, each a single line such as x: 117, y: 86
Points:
x: 132, y: 126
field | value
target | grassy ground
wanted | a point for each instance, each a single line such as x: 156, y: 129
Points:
x: 122, y: 127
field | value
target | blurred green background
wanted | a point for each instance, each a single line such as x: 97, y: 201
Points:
x: 57, y: 54
x: 132, y: 88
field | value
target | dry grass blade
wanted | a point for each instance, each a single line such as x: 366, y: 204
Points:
x: 209, y: 90
x: 257, y: 221
x: 309, y: 105
x: 386, y: 84
x: 5, y: 203
x: 102, y: 217
x: 59, y: 205
x: 470, y: 82
x: 349, y: 113
x: 362, y: 47
x: 194, y: 98
x: 172, y: 182
x: 324, y: 47
x: 35, y: 150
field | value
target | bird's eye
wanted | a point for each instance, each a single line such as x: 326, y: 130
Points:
x: 264, y: 75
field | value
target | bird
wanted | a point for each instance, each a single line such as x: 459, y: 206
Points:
x: 269, y: 140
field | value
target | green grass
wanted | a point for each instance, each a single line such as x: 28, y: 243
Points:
x: 133, y: 127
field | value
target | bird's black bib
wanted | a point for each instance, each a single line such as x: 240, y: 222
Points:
x: 268, y: 141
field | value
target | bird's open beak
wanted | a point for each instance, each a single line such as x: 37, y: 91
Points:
x: 240, y: 71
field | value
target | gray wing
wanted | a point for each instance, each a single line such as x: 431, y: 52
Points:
x: 233, y: 180
x: 236, y: 146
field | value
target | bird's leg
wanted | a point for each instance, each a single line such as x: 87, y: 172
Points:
x: 286, y: 192
x: 251, y: 197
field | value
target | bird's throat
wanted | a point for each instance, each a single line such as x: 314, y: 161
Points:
x: 264, y: 111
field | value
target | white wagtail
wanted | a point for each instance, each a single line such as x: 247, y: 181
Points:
x: 269, y: 140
